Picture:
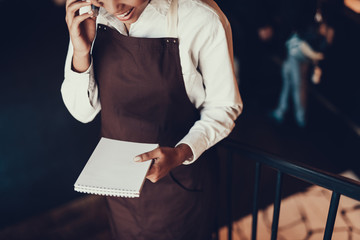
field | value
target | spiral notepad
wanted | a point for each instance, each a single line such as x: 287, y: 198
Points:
x: 111, y: 170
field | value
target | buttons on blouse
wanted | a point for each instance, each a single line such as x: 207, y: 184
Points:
x: 102, y: 27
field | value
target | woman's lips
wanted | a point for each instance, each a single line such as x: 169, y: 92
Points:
x: 126, y: 15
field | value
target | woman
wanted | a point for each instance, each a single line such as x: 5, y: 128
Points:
x: 160, y: 72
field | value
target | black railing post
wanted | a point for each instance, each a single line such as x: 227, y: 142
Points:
x: 275, y: 222
x: 229, y: 192
x: 255, y: 200
x: 336, y: 183
x: 335, y: 197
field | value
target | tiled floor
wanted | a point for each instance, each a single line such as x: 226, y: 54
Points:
x: 303, y: 216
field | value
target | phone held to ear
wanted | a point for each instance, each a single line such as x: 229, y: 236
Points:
x: 88, y: 9
x: 95, y: 9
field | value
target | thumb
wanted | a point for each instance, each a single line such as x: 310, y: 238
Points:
x: 146, y: 156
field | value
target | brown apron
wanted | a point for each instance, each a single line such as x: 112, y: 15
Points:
x: 143, y: 99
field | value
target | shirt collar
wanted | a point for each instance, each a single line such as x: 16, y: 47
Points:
x: 161, y: 6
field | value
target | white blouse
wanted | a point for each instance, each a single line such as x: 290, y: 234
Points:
x: 206, y: 60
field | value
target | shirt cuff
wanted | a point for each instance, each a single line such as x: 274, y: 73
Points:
x: 197, y: 143
x: 87, y: 76
x: 71, y: 74
x: 80, y: 93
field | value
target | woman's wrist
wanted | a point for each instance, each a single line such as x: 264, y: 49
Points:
x: 184, y: 152
x: 80, y: 62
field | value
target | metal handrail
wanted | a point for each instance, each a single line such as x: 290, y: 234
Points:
x: 339, y: 185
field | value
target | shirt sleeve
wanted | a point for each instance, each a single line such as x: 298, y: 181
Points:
x: 80, y: 91
x: 222, y: 104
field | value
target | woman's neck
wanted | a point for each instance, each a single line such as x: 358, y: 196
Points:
x: 127, y: 27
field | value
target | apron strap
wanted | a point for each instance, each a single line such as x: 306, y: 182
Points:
x: 172, y: 19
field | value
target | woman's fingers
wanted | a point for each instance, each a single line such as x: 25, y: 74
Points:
x: 154, y: 173
x: 71, y: 4
x: 73, y: 8
x: 79, y: 19
x: 81, y: 27
x: 68, y: 2
x: 154, y: 154
x: 165, y: 159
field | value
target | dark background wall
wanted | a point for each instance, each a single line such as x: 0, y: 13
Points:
x: 42, y: 148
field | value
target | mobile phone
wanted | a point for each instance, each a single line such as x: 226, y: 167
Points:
x: 95, y: 9
x: 88, y: 8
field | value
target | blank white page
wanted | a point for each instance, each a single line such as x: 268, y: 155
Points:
x: 112, y: 171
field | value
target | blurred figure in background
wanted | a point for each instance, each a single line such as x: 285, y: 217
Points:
x: 303, y: 48
x: 262, y: 28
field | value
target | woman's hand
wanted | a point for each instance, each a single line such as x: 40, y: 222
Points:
x: 316, y: 77
x: 165, y: 159
x: 82, y: 30
x: 310, y: 53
